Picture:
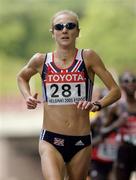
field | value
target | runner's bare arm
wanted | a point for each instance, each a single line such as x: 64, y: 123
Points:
x: 33, y: 67
x: 96, y: 65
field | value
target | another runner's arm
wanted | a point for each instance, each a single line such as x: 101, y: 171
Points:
x: 96, y: 65
x: 120, y: 118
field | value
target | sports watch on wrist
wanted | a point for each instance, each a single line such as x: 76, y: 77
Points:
x: 98, y: 104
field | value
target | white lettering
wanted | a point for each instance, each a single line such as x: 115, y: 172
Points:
x: 65, y: 77
x: 62, y: 77
x: 56, y: 78
x: 50, y: 77
x: 80, y: 77
x: 68, y: 77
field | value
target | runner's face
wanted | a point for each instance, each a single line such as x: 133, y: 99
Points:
x: 67, y: 34
x: 129, y: 84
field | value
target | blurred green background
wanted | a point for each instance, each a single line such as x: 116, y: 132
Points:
x: 107, y: 26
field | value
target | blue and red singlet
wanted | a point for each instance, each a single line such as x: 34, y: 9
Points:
x: 66, y: 86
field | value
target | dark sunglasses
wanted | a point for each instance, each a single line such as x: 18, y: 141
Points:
x: 68, y: 26
x: 132, y: 80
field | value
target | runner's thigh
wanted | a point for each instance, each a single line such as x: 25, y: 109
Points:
x: 78, y: 167
x: 51, y: 161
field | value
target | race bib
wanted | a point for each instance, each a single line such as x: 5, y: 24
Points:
x: 65, y: 88
x: 133, y: 139
x: 108, y: 149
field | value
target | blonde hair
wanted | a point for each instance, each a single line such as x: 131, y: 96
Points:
x: 67, y: 12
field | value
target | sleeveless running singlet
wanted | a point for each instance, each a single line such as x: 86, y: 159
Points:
x: 66, y: 86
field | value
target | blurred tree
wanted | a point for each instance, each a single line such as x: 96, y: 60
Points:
x: 24, y: 30
x: 25, y: 24
x: 109, y: 27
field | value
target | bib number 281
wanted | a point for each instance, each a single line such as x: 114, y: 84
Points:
x: 65, y: 90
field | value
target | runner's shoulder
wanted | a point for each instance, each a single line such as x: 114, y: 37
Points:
x: 39, y: 56
x: 37, y: 61
x: 91, y: 57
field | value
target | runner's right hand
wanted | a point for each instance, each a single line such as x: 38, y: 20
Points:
x: 32, y: 101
